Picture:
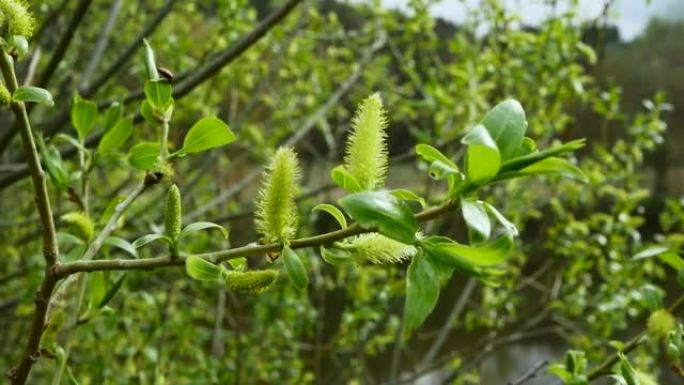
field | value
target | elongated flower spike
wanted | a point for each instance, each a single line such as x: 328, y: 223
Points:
x: 256, y: 281
x: 173, y: 213
x: 18, y: 16
x: 366, y: 153
x: 378, y: 249
x: 276, y: 212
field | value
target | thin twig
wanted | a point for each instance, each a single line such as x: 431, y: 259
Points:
x: 101, y: 45
x: 530, y: 373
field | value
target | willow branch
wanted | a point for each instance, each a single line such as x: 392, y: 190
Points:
x: 69, y: 268
x: 19, y: 374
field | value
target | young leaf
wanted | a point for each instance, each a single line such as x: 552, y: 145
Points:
x: 431, y: 155
x: 454, y: 253
x: 295, y: 268
x: 651, y: 252
x: 408, y: 195
x: 553, y: 166
x: 341, y: 177
x: 158, y: 94
x: 207, y: 133
x: 506, y: 124
x: 97, y: 288
x: 534, y: 157
x: 382, y: 211
x: 508, y: 226
x: 113, y: 115
x: 238, y: 264
x: 83, y: 116
x: 143, y: 156
x: 112, y: 291
x: 201, y: 269
x: 422, y: 291
x: 336, y: 257
x: 476, y: 218
x: 116, y: 137
x: 334, y: 211
x: 33, y: 94
x: 122, y: 244
x: 150, y: 63
x: 197, y: 226
x: 483, y: 158
x: 145, y: 239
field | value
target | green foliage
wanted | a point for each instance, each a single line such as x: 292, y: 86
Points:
x: 33, y: 94
x: 384, y: 212
x: 16, y: 15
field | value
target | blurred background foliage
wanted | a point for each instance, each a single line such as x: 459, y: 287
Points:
x: 571, y: 283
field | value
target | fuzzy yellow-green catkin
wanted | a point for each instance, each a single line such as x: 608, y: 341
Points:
x: 18, y: 16
x: 80, y: 224
x: 661, y: 322
x: 366, y: 153
x: 5, y: 96
x: 172, y: 213
x: 379, y: 249
x: 250, y: 281
x: 276, y: 211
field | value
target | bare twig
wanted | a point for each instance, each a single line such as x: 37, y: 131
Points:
x: 101, y: 45
x: 530, y: 373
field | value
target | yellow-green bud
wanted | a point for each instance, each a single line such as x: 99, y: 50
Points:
x: 5, y: 96
x: 80, y: 224
x: 173, y: 213
x: 250, y: 281
x: 661, y: 322
x: 20, y: 19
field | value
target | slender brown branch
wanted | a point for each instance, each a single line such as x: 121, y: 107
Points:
x: 69, y: 268
x: 19, y: 374
x: 530, y: 373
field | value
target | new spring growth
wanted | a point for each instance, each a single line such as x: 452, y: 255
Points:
x: 5, y: 96
x: 80, y: 225
x: 378, y: 249
x: 150, y: 64
x: 172, y: 213
x: 661, y: 322
x: 256, y: 281
x: 19, y: 18
x: 276, y: 211
x: 366, y: 153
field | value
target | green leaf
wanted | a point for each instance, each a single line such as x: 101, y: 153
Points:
x: 150, y: 64
x: 197, y: 226
x: 116, y: 137
x: 382, y: 211
x: 207, y: 133
x: 422, y: 291
x: 552, y: 166
x: 72, y: 141
x: 113, y: 115
x: 336, y: 257
x: 534, y: 157
x: 476, y: 218
x: 508, y: 226
x: 334, y: 211
x: 527, y: 147
x: 651, y: 252
x: 454, y: 253
x: 112, y: 291
x: 33, y: 94
x: 408, y: 195
x: 83, y: 116
x: 158, y: 94
x: 201, y: 269
x: 122, y: 244
x: 506, y: 124
x: 143, y: 156
x: 238, y: 264
x: 68, y: 239
x: 344, y: 179
x: 147, y: 112
x: 672, y: 259
x: 145, y: 239
x: 111, y: 207
x: 482, y: 159
x: 54, y: 165
x: 431, y: 154
x: 97, y: 288
x: 295, y: 268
